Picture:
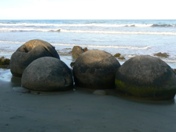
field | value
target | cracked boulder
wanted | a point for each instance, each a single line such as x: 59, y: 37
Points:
x: 28, y: 52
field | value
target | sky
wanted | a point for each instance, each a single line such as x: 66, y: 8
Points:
x: 87, y: 9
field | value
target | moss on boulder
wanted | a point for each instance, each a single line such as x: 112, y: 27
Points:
x: 147, y: 77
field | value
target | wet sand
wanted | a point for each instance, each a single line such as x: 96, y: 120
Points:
x: 78, y: 111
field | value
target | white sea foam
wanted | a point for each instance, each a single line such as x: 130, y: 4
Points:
x: 85, y: 31
x: 99, y: 46
x: 120, y: 32
x: 98, y: 28
x: 80, y: 25
x: 10, y: 42
x: 26, y: 24
x: 106, y: 46
x: 24, y: 30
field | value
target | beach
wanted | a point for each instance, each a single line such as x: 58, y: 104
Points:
x: 79, y: 109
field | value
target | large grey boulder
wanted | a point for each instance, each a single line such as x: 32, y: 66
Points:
x: 95, y: 69
x: 47, y: 74
x: 146, y: 77
x: 28, y: 52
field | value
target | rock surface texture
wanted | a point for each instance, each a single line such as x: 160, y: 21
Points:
x: 95, y: 69
x: 28, y: 52
x: 47, y: 74
x: 147, y: 77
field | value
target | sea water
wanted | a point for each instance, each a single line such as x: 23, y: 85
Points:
x: 128, y: 37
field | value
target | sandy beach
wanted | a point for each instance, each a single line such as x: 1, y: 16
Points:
x: 78, y: 111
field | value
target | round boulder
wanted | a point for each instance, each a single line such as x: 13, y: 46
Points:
x: 47, y: 74
x: 95, y: 69
x: 146, y: 77
x: 28, y: 52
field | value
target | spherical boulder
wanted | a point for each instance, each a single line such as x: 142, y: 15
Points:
x: 146, y: 77
x: 95, y: 69
x: 28, y: 52
x: 47, y: 74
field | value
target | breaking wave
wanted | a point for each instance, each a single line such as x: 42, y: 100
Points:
x: 164, y: 25
x: 121, y: 32
x: 106, y: 46
x: 86, y: 31
x: 87, y: 45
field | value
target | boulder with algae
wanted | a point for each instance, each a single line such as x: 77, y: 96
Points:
x: 146, y: 77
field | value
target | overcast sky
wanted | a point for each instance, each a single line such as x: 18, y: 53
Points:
x: 87, y: 9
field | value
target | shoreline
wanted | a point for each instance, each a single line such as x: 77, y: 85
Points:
x: 66, y: 56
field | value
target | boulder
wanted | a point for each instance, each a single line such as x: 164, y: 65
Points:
x: 95, y: 69
x: 28, y: 52
x: 174, y: 71
x: 119, y: 56
x: 146, y: 77
x: 47, y: 74
x: 163, y: 55
x: 77, y: 51
x: 4, y: 62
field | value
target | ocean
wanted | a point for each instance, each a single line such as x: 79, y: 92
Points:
x: 128, y: 37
